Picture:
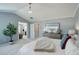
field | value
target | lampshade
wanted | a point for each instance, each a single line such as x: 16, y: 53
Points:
x: 77, y: 27
x: 29, y: 11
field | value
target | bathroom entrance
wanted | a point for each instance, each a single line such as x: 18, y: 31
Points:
x: 22, y: 30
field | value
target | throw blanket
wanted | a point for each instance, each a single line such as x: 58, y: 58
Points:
x: 64, y: 41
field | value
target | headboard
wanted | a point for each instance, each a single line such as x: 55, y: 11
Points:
x: 52, y: 28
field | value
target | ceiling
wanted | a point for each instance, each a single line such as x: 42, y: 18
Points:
x: 11, y: 7
x: 41, y: 11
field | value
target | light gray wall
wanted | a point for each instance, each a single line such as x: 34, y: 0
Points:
x: 76, y: 17
x: 65, y: 24
x: 5, y: 18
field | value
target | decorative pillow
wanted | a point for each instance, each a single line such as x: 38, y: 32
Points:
x: 71, y: 32
x: 44, y: 44
x: 74, y: 37
x: 53, y: 30
x: 75, y: 40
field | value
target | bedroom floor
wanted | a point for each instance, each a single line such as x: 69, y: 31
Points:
x: 7, y: 49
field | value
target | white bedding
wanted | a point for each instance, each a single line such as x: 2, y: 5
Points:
x: 44, y: 44
x: 71, y: 49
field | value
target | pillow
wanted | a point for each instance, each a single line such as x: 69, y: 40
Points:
x: 75, y: 40
x: 75, y: 37
x: 71, y: 32
x: 53, y: 30
x: 44, y: 44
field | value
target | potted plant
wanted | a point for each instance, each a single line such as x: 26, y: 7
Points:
x: 10, y: 31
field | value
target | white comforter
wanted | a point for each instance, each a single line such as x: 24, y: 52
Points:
x: 28, y: 49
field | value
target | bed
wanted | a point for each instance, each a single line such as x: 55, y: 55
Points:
x: 28, y: 49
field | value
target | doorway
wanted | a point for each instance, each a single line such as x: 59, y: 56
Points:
x: 22, y: 30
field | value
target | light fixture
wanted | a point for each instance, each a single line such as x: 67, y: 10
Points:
x: 77, y: 26
x: 30, y: 11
